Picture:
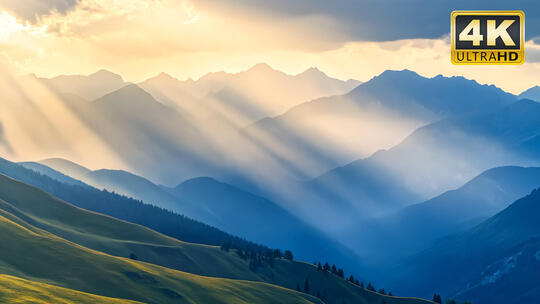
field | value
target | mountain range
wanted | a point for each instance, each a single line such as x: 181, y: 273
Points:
x: 306, y: 141
x: 268, y: 158
x: 414, y: 228
x: 415, y: 175
x: 100, y: 255
x: 249, y: 95
x: 436, y: 158
x: 377, y: 114
x: 88, y: 87
x: 101, y: 111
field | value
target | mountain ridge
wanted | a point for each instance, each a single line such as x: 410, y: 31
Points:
x: 499, y: 127
x: 473, y: 252
x: 531, y: 93
x: 230, y: 209
x: 413, y: 228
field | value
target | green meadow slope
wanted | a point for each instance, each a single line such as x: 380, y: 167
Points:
x: 37, y: 255
x: 53, y: 242
x: 113, y: 236
x: 17, y: 290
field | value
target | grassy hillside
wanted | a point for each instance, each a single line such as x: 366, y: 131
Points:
x: 128, y: 209
x: 17, y: 290
x: 38, y: 227
x: 329, y: 287
x: 113, y: 236
x: 38, y: 255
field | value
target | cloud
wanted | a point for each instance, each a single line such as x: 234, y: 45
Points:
x: 532, y: 51
x: 31, y: 10
x: 377, y: 20
x: 189, y: 38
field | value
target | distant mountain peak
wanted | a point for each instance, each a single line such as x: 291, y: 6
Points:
x: 165, y: 76
x: 313, y: 69
x: 313, y: 72
x: 130, y: 94
x: 536, y: 87
x: 201, y: 179
x: 261, y: 67
x: 212, y: 76
x: 407, y: 80
x: 398, y: 73
x: 106, y: 74
x: 66, y: 167
x: 389, y: 77
x: 103, y: 72
x: 89, y: 87
x: 63, y: 160
x: 130, y: 88
x: 525, y: 106
x: 531, y: 93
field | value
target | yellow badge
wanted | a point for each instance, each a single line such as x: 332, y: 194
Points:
x: 488, y: 37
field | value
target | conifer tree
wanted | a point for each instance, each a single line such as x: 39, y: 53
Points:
x: 326, y: 267
x: 288, y: 255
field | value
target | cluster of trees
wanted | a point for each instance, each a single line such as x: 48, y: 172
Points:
x: 438, y: 299
x: 327, y: 269
x: 370, y: 287
x: 307, y: 289
x: 258, y: 254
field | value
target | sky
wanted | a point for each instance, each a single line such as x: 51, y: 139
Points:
x: 189, y: 38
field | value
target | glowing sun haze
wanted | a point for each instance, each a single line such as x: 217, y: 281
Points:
x: 189, y: 38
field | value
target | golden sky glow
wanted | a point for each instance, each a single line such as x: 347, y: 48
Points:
x: 186, y: 38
